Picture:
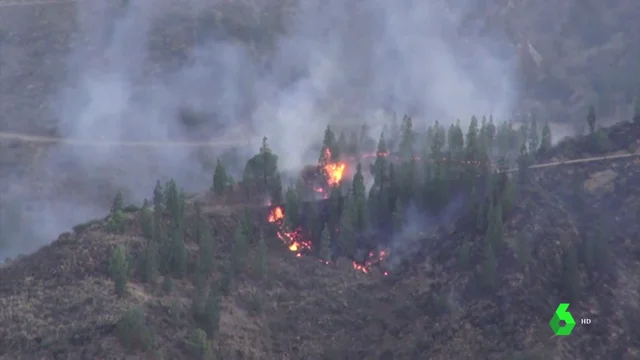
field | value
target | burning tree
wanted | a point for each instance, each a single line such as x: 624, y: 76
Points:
x: 331, y: 169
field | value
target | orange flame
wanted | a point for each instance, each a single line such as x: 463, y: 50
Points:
x: 334, y: 170
x: 373, y: 259
x: 291, y: 238
x: 335, y: 173
x: 294, y: 240
x: 276, y: 214
x: 359, y: 267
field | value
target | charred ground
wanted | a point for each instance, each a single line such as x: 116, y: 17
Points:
x: 453, y: 289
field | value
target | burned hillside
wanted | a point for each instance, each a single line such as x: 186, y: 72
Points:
x: 442, y: 245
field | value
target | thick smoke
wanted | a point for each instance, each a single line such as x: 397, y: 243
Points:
x: 319, y: 62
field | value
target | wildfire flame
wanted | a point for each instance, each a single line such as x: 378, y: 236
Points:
x: 374, y: 258
x: 297, y: 244
x: 334, y: 170
x: 293, y: 239
x: 335, y: 173
x: 276, y: 215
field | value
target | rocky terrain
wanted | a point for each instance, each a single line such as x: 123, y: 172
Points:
x: 574, y: 54
x: 571, y: 54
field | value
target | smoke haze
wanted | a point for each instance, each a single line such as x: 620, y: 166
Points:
x: 331, y: 62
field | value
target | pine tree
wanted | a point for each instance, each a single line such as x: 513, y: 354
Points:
x: 150, y: 267
x: 512, y: 135
x: 329, y: 152
x: 491, y: 134
x: 379, y: 193
x: 457, y: 138
x: 220, y: 179
x: 158, y: 199
x: 353, y: 145
x: 146, y: 222
x: 508, y: 196
x: 335, y: 202
x: 117, y: 222
x: 534, y: 137
x: 379, y: 167
x: 342, y: 145
x: 325, y: 245
x: 161, y: 237
x: 275, y: 188
x: 260, y: 176
x: 119, y: 269
x: 438, y: 142
x: 591, y: 119
x: 178, y: 250
x: 472, y: 153
x: 347, y: 231
x: 198, y: 221
x: 397, y: 217
x: 200, y: 346
x: 523, y: 164
x: 472, y: 143
x: 211, y: 314
x: 545, y: 144
x: 246, y: 224
x: 118, y: 203
x: 407, y: 141
x: 596, y: 252
x: 292, y: 205
x: 523, y: 134
x: 175, y: 203
x: 311, y: 220
x: 502, y: 140
x: 359, y: 200
x: 205, y: 249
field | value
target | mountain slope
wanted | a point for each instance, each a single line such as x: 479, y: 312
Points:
x: 441, y: 303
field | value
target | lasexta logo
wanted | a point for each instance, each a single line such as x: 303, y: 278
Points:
x: 562, y: 323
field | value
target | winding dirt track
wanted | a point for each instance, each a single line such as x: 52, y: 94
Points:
x: 582, y: 160
x: 32, y: 139
x: 36, y: 3
x: 245, y: 141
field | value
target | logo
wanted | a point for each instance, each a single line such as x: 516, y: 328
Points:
x: 562, y: 315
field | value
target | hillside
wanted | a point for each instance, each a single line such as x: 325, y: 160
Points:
x: 573, y: 54
x: 569, y: 234
x: 569, y: 54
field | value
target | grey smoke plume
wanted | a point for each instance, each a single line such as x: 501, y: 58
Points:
x: 418, y: 227
x: 328, y: 61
